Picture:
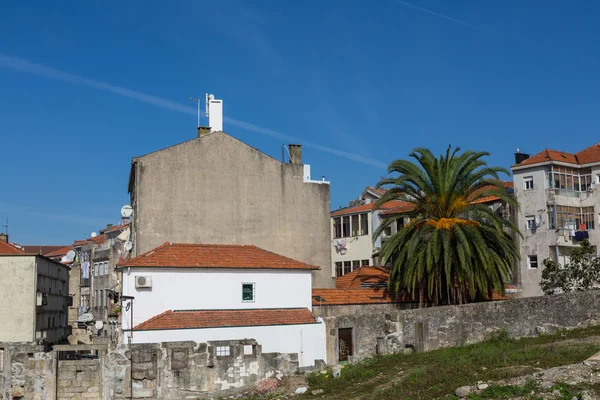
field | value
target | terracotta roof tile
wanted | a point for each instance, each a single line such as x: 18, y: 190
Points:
x: 214, y: 256
x: 7, y: 248
x: 114, y: 228
x: 227, y: 318
x: 60, y: 252
x: 336, y: 297
x: 363, y: 275
x: 366, y: 207
x: 40, y: 249
x: 585, y: 156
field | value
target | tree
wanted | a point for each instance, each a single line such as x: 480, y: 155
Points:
x: 454, y: 249
x: 581, y: 273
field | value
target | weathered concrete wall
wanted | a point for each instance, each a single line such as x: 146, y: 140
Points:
x: 170, y: 371
x: 17, y: 298
x: 431, y: 328
x: 216, y: 189
x: 26, y: 372
x: 79, y: 379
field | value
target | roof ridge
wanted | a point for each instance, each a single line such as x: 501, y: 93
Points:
x: 241, y: 309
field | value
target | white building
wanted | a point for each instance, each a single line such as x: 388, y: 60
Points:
x: 559, y: 205
x: 352, y: 230
x: 206, y: 292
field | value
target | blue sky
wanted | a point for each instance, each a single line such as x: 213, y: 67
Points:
x: 85, y: 86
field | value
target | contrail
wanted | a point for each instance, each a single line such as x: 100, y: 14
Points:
x: 492, y: 31
x: 51, y: 73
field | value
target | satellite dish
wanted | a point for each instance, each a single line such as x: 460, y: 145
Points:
x: 94, y: 234
x: 70, y: 255
x: 128, y: 246
x: 99, y: 325
x: 126, y: 211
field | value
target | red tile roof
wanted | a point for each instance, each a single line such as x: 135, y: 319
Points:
x: 60, y: 252
x: 38, y: 249
x: 214, y: 256
x: 366, y: 274
x: 585, y: 156
x: 227, y: 318
x: 365, y: 207
x: 7, y: 248
x: 337, y: 297
x: 114, y: 228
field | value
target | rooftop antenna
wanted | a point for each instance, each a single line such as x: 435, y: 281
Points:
x: 197, y: 100
x: 6, y: 227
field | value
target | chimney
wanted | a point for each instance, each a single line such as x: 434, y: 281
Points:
x: 108, y: 226
x: 203, y: 130
x: 4, y: 237
x: 295, y: 153
x: 520, y: 157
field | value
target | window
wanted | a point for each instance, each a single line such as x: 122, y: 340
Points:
x: 532, y: 262
x: 364, y: 224
x: 355, y: 225
x: 528, y: 182
x: 399, y: 224
x: 355, y: 264
x: 530, y: 222
x: 387, y: 231
x: 573, y: 218
x: 364, y: 263
x: 551, y: 217
x: 339, y: 268
x: 223, y: 351
x: 347, y: 267
x: 248, y: 292
x: 337, y: 227
x: 570, y: 179
x: 248, y: 350
x: 1, y: 360
x: 96, y: 269
x: 346, y: 226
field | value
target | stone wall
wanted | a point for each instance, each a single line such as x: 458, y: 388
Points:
x: 386, y: 329
x: 26, y: 372
x: 172, y: 370
x: 79, y: 379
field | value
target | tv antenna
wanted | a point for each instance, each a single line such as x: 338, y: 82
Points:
x: 6, y: 226
x: 197, y: 100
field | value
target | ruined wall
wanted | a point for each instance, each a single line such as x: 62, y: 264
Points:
x: 172, y: 370
x: 26, y: 372
x: 79, y: 379
x: 391, y: 330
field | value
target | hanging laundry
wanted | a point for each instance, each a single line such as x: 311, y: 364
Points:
x: 85, y: 270
x: 582, y: 226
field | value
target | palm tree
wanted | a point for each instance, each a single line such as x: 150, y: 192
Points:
x: 454, y: 249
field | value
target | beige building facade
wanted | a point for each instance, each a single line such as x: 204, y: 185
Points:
x: 34, y: 298
x: 216, y: 189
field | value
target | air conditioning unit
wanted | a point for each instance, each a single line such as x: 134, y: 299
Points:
x: 143, y: 282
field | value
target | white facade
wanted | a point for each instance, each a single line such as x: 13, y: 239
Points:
x: 307, y: 340
x: 544, y: 235
x: 221, y: 289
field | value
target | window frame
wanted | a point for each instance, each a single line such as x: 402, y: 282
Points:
x: 223, y: 351
x: 364, y: 224
x: 253, y: 287
x: 528, y: 180
x: 339, y: 269
x: 355, y: 225
x: 528, y: 219
x: 530, y: 263
x: 337, y: 227
x: 347, y: 267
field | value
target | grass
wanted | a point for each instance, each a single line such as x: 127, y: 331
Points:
x: 438, y: 373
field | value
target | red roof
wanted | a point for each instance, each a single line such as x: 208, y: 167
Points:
x: 227, y: 318
x: 60, y: 252
x: 585, y: 156
x: 214, y: 256
x: 7, y: 248
x: 114, y: 228
x: 363, y: 275
x: 366, y: 207
x: 337, y: 297
x: 40, y: 249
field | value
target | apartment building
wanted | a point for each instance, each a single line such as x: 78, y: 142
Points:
x: 559, y: 206
x: 34, y: 296
x: 216, y: 189
x: 96, y: 259
x: 353, y: 228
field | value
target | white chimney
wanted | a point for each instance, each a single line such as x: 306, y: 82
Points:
x: 214, y: 113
